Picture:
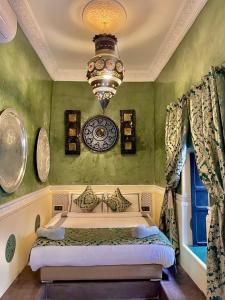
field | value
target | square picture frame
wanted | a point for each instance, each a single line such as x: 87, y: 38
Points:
x: 128, y: 131
x: 72, y: 131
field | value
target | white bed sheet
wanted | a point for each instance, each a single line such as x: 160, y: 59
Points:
x: 100, y: 255
x: 100, y: 220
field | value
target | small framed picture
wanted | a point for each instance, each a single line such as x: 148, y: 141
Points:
x: 128, y: 145
x: 72, y: 132
x: 72, y: 118
x: 127, y: 117
x: 72, y: 146
x: 127, y: 131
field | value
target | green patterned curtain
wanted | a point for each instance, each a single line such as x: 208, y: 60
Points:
x: 206, y: 113
x: 175, y: 144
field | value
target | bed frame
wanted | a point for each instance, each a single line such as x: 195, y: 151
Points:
x: 107, y: 290
x: 124, y: 281
x: 102, y: 282
x: 151, y: 272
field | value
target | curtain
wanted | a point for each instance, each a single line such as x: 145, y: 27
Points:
x: 206, y: 113
x: 175, y: 146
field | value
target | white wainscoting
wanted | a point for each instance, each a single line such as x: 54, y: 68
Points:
x: 18, y: 217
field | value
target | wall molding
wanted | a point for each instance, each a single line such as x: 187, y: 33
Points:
x: 183, y: 200
x: 180, y: 26
x: 182, y: 22
x: 34, y: 34
x: 102, y: 188
x: 159, y: 189
x: 20, y: 202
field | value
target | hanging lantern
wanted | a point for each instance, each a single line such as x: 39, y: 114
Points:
x: 105, y: 70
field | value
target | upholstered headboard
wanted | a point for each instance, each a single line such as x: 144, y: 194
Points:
x: 141, y: 201
x: 102, y: 207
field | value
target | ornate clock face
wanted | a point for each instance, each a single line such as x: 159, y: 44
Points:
x: 100, y: 133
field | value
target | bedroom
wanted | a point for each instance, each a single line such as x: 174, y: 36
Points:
x: 172, y: 51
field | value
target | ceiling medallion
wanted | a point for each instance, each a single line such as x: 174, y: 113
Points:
x: 100, y: 133
x: 104, y: 16
x: 105, y: 70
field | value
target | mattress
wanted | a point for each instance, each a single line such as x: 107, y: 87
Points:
x: 101, y: 254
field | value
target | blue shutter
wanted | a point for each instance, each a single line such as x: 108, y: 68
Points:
x: 199, y: 201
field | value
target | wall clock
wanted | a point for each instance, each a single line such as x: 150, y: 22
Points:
x: 100, y: 133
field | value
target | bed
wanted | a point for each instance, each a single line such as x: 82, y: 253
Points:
x: 97, y: 246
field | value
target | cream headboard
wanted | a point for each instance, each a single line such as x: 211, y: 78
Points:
x: 102, y: 207
x: 141, y: 200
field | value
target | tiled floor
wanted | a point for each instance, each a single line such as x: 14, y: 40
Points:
x: 28, y: 287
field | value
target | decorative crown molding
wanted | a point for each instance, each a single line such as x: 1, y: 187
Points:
x: 180, y: 26
x: 34, y: 34
x: 182, y: 22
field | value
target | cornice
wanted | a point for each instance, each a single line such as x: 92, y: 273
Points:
x: 34, y: 34
x: 182, y: 22
x: 180, y: 26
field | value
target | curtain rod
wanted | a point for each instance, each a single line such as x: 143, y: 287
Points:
x: 200, y: 84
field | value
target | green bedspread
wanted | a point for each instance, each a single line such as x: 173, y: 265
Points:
x: 102, y: 236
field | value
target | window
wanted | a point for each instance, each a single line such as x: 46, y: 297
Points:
x: 199, y: 203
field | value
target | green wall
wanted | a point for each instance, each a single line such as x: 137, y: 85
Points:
x: 202, y: 47
x: 26, y: 86
x: 110, y: 167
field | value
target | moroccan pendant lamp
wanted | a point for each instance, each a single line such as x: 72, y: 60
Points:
x: 105, y: 70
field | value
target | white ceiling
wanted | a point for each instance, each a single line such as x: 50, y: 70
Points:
x: 153, y: 31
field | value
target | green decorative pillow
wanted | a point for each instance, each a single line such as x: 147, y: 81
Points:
x: 87, y: 201
x: 117, y: 202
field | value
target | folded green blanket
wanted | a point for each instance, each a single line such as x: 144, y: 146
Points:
x: 103, y: 236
